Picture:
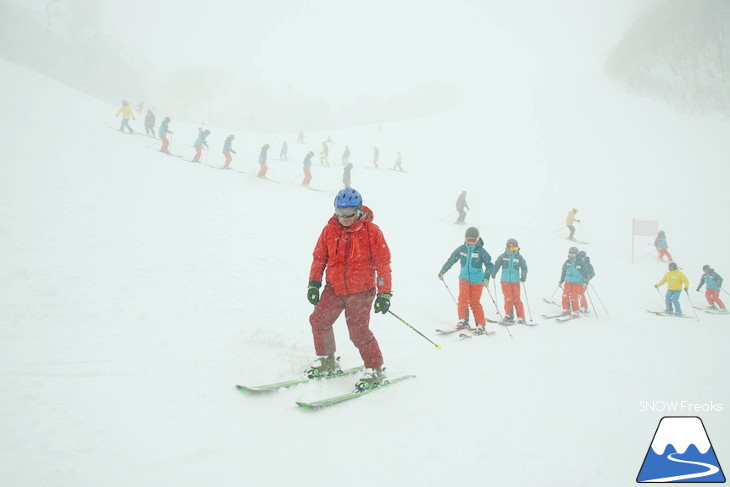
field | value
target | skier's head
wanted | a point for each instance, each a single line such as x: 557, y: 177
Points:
x: 573, y: 251
x: 574, y: 210
x: 266, y: 146
x: 512, y: 245
x: 463, y: 193
x: 672, y: 266
x: 149, y: 110
x: 231, y: 136
x: 167, y: 119
x: 706, y: 268
x: 206, y: 132
x: 348, y: 198
x: 471, y: 235
x: 661, y: 233
x: 582, y: 254
x: 125, y: 102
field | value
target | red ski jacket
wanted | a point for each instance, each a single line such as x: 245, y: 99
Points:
x: 352, y: 256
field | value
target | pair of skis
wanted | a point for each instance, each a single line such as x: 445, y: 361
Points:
x: 327, y: 401
x: 463, y: 332
x: 671, y: 315
x: 712, y: 311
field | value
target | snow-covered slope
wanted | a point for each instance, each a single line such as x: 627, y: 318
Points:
x: 137, y: 289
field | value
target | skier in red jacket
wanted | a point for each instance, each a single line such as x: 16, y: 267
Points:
x: 354, y: 254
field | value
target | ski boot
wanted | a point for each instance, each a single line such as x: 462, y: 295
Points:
x: 481, y: 330
x: 521, y: 321
x: 678, y: 314
x: 712, y: 306
x: 462, y: 324
x: 585, y: 311
x: 371, y: 378
x: 323, y: 366
x: 509, y: 319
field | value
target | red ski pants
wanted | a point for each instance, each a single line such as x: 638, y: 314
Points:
x: 198, y: 153
x: 165, y: 143
x: 713, y: 297
x: 262, y: 171
x: 307, y: 177
x: 470, y: 295
x: 357, y: 308
x: 571, y: 292
x: 662, y: 253
x: 228, y: 159
x: 511, y: 292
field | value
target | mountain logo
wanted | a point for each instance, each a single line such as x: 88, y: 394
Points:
x: 680, y: 452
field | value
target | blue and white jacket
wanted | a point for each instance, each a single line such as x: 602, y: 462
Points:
x: 475, y: 261
x: 512, y: 263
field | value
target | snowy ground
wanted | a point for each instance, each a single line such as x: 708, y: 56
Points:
x: 136, y: 289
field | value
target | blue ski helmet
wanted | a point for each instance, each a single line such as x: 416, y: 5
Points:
x: 348, y: 197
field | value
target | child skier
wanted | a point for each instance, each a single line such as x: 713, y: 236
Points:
x: 460, y: 205
x: 398, y: 162
x: 675, y: 280
x: 227, y: 151
x: 262, y: 161
x: 662, y: 249
x: 324, y: 155
x: 590, y: 274
x: 569, y: 220
x: 472, y: 277
x: 514, y: 271
x: 346, y: 175
x: 713, y: 283
x: 306, y: 167
x: 199, y: 143
x: 162, y: 132
x: 574, y: 275
x: 149, y: 123
x: 126, y: 112
x: 284, y: 151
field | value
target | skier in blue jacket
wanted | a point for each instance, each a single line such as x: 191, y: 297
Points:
x: 514, y: 271
x: 476, y: 266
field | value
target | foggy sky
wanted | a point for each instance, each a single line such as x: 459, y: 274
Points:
x: 341, y: 49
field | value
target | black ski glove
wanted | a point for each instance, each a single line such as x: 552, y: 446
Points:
x: 313, y: 292
x: 523, y: 278
x: 382, y: 303
x: 698, y: 288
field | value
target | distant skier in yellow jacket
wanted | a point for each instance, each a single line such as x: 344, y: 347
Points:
x: 127, y: 113
x: 676, y: 282
x: 569, y: 220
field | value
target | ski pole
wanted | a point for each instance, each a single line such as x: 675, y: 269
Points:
x: 152, y: 144
x: 690, y: 303
x: 593, y: 286
x: 449, y: 290
x: 527, y: 301
x: 495, y: 302
x: 556, y: 231
x: 581, y: 232
x: 438, y: 347
x: 556, y: 290
x: 661, y: 297
x: 448, y: 216
x: 595, y: 311
x: 497, y: 307
x: 723, y: 289
x: 455, y: 301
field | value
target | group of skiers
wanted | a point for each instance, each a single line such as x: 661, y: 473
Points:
x: 201, y: 143
x: 677, y: 282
